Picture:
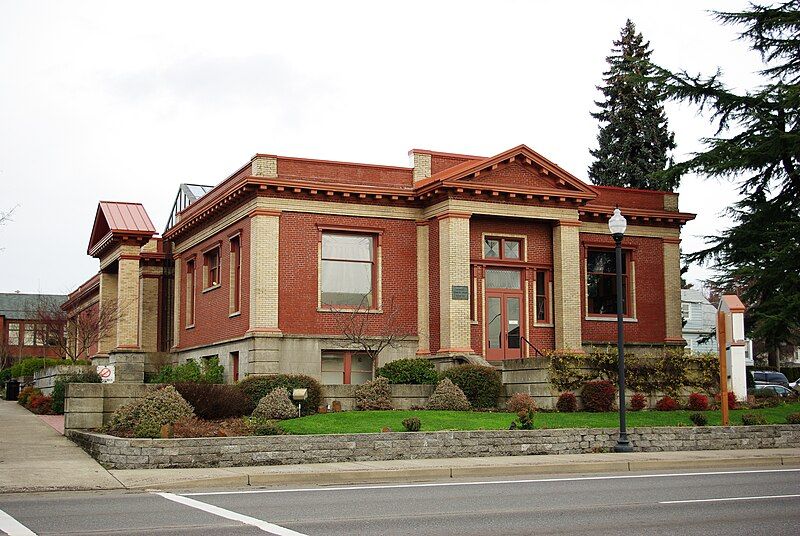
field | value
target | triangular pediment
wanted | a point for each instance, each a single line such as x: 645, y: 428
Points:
x: 520, y: 169
x: 116, y: 221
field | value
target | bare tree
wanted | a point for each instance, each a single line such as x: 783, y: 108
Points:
x: 73, y: 333
x: 5, y: 217
x: 367, y: 331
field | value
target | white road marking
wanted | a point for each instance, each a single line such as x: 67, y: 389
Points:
x: 12, y: 527
x: 228, y: 514
x: 722, y: 499
x: 485, y: 482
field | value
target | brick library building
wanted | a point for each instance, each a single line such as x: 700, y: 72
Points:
x: 456, y: 258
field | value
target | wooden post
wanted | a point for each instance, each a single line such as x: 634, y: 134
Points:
x: 723, y: 367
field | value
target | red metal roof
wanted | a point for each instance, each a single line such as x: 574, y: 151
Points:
x: 126, y: 217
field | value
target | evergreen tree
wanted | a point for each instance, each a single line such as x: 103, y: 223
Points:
x: 634, y: 140
x: 757, y: 144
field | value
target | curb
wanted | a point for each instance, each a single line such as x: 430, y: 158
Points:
x: 249, y: 477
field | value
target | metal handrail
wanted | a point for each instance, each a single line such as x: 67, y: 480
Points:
x: 540, y: 354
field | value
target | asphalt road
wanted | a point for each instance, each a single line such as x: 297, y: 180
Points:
x: 705, y: 502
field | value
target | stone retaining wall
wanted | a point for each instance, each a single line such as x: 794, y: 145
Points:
x: 45, y: 378
x: 90, y: 405
x: 122, y: 453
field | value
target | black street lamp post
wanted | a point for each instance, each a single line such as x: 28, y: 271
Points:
x: 617, y: 225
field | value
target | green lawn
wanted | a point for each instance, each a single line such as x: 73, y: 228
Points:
x: 373, y: 421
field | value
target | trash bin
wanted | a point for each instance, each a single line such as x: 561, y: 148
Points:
x: 12, y: 389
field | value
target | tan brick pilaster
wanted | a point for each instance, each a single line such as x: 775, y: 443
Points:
x: 107, y: 339
x: 423, y: 290
x: 567, y: 285
x: 176, y: 304
x: 264, y: 231
x: 149, y: 307
x: 672, y: 290
x: 128, y: 293
x: 454, y: 272
x: 264, y: 166
x: 422, y: 165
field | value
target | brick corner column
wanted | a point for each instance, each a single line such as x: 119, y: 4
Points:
x: 264, y: 233
x: 107, y: 339
x: 128, y: 294
x: 453, y: 272
x: 672, y: 290
x: 567, y: 284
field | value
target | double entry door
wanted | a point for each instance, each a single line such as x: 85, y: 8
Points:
x: 504, y: 307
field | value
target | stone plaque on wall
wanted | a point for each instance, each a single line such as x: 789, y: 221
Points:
x: 460, y: 292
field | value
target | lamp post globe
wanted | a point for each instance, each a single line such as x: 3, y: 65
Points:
x: 617, y: 225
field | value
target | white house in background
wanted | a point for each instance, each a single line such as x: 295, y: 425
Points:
x: 700, y: 318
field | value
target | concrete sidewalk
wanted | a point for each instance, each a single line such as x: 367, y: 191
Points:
x: 34, y: 457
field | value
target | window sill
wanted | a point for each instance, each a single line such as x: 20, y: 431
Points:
x: 190, y: 326
x: 473, y: 322
x: 543, y: 325
x: 610, y: 319
x: 214, y: 287
x: 366, y: 311
x: 233, y: 315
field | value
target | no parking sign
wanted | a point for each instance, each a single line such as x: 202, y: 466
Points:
x: 106, y: 373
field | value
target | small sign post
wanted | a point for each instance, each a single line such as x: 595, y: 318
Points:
x: 723, y: 368
x: 106, y: 373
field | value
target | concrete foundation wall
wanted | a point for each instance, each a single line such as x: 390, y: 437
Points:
x: 122, y: 453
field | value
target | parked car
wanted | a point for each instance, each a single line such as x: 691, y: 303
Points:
x: 768, y: 377
x: 774, y: 390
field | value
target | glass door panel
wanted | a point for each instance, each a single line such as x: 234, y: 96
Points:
x: 494, y: 323
x: 512, y: 323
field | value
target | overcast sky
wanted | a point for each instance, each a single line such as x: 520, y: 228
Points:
x: 124, y: 101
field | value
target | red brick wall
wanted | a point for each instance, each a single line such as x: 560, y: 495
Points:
x: 648, y: 254
x: 211, y: 321
x: 343, y: 172
x: 298, y: 269
x: 433, y: 268
x: 628, y: 197
x: 441, y: 162
x: 539, y: 245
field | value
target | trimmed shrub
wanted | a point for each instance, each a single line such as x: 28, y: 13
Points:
x: 481, y: 385
x: 667, y: 404
x: 417, y: 371
x: 374, y: 395
x: 598, y: 395
x: 567, y: 402
x: 412, y: 424
x: 524, y: 420
x: 751, y: 419
x: 275, y: 406
x: 448, y: 396
x: 793, y: 418
x: 521, y: 402
x: 26, y: 393
x: 638, y: 402
x: 732, y: 403
x: 215, y: 400
x: 698, y: 419
x: 40, y: 404
x: 145, y: 417
x: 209, y: 372
x: 263, y: 427
x: 28, y: 366
x: 257, y: 387
x: 698, y: 402
x: 60, y: 387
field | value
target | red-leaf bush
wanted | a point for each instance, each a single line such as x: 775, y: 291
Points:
x: 698, y: 402
x: 567, y: 402
x: 40, y: 404
x: 732, y: 404
x: 520, y: 402
x: 638, y: 402
x: 667, y: 404
x: 598, y: 395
